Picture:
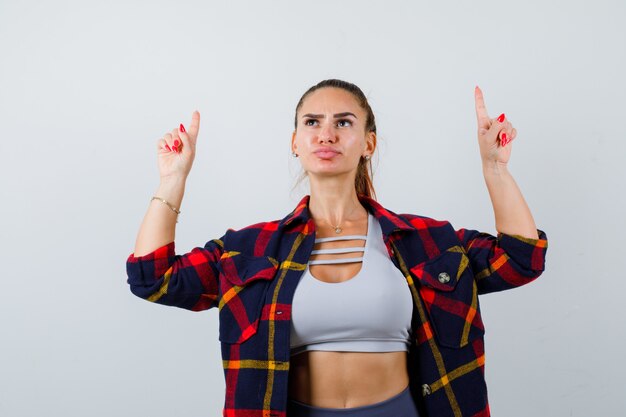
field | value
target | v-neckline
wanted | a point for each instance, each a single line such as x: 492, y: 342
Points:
x: 368, y: 238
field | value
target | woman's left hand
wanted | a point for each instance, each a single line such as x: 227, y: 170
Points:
x: 494, y: 135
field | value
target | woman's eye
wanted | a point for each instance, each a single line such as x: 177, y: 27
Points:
x: 341, y: 122
x: 345, y: 120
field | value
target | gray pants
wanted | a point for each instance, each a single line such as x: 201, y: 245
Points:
x: 400, y: 405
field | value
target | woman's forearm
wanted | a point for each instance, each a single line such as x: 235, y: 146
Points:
x: 159, y: 223
x: 511, y: 212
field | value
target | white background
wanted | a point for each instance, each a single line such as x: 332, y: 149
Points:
x: 87, y: 89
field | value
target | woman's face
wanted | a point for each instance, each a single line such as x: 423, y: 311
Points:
x: 330, y: 138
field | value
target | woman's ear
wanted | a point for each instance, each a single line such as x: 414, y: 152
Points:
x: 370, y: 142
x: 293, y: 142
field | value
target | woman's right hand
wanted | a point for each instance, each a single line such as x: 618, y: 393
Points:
x: 177, y: 149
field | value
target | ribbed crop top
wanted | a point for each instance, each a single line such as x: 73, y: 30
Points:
x: 370, y: 312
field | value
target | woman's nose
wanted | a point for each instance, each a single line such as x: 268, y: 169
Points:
x: 327, y: 134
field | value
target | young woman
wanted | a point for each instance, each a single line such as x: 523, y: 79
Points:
x: 343, y: 307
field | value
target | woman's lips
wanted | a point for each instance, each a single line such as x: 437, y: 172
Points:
x: 326, y: 153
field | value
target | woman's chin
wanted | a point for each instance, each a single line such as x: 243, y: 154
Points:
x: 328, y: 171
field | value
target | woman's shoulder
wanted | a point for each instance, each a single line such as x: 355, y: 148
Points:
x: 419, y: 220
x: 253, y: 229
x: 403, y: 220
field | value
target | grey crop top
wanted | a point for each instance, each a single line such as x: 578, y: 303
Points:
x: 370, y: 312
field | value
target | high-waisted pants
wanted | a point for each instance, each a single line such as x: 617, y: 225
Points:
x: 400, y: 405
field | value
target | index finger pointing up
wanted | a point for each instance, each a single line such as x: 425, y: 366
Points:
x: 195, y: 124
x: 481, y: 111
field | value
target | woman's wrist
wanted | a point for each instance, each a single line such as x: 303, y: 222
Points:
x: 172, y: 189
x: 494, y: 169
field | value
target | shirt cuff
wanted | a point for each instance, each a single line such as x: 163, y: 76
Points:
x: 527, y: 252
x: 164, y: 252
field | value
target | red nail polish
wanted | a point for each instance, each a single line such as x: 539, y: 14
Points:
x: 174, y: 149
x: 182, y: 128
x: 501, y: 118
x: 176, y: 142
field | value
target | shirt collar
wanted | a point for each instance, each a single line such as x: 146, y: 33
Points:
x: 389, y: 221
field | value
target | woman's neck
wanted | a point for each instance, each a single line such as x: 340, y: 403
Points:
x: 335, y: 202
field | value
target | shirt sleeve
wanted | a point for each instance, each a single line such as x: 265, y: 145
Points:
x: 504, y: 261
x: 188, y: 281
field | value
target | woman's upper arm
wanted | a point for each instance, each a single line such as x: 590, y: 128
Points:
x: 187, y: 281
x: 503, y: 262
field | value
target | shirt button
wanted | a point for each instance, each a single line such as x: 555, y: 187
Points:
x: 426, y: 390
x: 443, y: 277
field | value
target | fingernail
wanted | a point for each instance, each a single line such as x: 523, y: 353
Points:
x: 174, y: 149
x: 182, y: 128
x: 168, y: 147
x: 176, y: 142
x: 501, y: 118
x: 504, y: 140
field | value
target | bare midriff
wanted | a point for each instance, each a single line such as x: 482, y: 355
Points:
x: 346, y: 379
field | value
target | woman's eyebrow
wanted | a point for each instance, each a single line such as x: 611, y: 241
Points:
x: 321, y: 116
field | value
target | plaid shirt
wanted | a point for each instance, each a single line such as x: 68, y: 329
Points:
x: 251, y: 275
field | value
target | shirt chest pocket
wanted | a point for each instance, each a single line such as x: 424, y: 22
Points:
x: 447, y: 288
x: 244, y: 281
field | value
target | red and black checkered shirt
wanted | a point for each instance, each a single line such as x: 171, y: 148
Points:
x: 251, y: 275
